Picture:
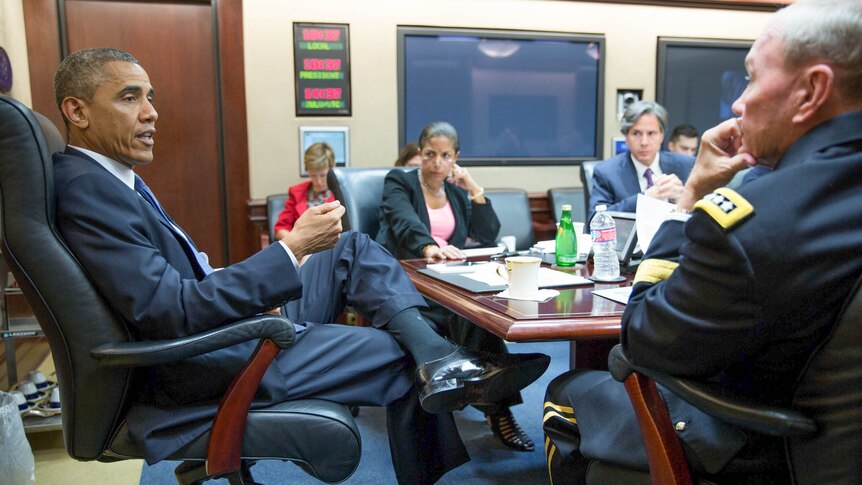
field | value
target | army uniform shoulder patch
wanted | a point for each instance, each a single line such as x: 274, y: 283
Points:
x: 726, y: 207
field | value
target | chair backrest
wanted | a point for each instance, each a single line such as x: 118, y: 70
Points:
x: 70, y: 312
x: 587, y: 181
x: 513, y: 210
x: 360, y: 191
x: 568, y: 195
x: 830, y: 391
x: 274, y: 206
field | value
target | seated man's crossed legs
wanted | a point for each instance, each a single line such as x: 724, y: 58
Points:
x: 361, y: 273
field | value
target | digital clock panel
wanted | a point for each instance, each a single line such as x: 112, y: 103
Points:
x: 322, y: 69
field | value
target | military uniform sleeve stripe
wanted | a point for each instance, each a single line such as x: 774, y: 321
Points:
x: 654, y: 270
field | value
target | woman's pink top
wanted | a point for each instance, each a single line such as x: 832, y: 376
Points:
x: 442, y: 224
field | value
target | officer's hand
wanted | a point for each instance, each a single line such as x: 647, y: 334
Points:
x: 721, y: 155
x: 317, y: 229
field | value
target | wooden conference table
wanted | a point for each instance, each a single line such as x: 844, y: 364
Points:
x: 575, y: 314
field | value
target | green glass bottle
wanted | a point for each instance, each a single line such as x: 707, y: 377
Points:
x: 566, y: 245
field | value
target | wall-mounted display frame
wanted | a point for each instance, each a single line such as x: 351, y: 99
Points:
x: 321, y: 54
x: 698, y: 80
x: 512, y: 95
x: 337, y: 137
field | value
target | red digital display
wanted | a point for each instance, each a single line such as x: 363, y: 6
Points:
x: 322, y: 69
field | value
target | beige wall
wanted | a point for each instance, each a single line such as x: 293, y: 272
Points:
x: 630, y: 31
x: 13, y: 41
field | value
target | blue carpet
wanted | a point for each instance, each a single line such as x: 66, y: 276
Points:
x: 491, y: 462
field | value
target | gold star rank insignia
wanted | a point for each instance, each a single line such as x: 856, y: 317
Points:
x: 727, y: 207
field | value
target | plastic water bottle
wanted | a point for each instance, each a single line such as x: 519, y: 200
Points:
x: 606, y: 265
x: 566, y: 243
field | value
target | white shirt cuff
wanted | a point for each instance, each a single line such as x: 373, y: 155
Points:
x: 290, y: 253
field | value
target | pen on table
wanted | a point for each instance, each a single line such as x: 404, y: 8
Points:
x: 506, y: 254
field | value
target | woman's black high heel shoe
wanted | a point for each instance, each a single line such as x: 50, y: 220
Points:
x: 509, y: 431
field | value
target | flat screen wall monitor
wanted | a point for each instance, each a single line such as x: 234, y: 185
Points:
x: 515, y: 97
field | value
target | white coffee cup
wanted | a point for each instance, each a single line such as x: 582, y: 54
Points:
x: 54, y: 399
x: 29, y: 390
x: 510, y: 242
x: 38, y: 378
x: 522, y: 275
x: 20, y: 400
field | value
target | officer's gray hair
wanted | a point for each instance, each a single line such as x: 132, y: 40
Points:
x: 825, y: 30
x: 640, y: 108
x: 439, y: 128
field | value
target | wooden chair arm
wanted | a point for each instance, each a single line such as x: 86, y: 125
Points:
x: 224, y: 451
x: 667, y: 463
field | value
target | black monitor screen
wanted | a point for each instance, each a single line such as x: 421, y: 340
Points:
x: 514, y: 97
x: 698, y: 80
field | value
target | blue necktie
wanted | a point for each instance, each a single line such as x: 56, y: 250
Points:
x: 203, y: 266
x: 648, y: 175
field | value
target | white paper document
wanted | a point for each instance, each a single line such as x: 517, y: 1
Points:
x: 619, y: 295
x: 462, y: 266
x: 483, y: 251
x: 651, y: 213
x: 547, y: 278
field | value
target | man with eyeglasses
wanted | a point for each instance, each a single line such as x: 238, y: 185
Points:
x: 643, y: 169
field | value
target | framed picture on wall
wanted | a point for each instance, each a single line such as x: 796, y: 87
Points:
x: 337, y: 137
x: 699, y: 79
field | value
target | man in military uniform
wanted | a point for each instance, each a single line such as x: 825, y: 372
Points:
x: 740, y: 290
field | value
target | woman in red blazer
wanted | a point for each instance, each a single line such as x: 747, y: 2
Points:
x: 318, y: 159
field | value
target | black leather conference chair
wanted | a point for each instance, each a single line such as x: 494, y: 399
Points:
x: 360, y: 191
x: 568, y: 195
x: 95, y: 356
x: 821, y: 429
x: 587, y: 182
x: 274, y: 206
x: 513, y: 209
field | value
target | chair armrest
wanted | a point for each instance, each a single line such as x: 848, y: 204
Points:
x: 157, y: 352
x: 720, y: 402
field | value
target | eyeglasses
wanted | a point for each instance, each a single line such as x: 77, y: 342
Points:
x: 431, y: 155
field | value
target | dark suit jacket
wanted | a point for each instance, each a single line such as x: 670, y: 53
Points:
x: 615, y: 181
x: 138, y: 266
x: 405, y: 228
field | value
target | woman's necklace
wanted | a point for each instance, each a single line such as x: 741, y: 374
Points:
x: 437, y: 193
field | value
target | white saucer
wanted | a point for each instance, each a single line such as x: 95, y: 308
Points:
x: 540, y: 295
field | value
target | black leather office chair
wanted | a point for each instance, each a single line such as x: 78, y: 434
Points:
x: 274, y: 206
x: 822, y: 428
x: 587, y: 169
x: 568, y: 195
x: 95, y: 356
x: 513, y: 209
x: 360, y: 191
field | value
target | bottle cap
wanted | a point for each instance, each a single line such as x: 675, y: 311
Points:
x: 601, y: 207
x: 567, y: 207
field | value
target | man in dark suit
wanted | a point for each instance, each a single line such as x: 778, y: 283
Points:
x: 643, y: 169
x: 741, y: 290
x: 150, y: 272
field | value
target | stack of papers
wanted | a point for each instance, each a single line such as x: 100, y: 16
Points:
x: 544, y: 247
x: 547, y: 278
x: 483, y: 251
x: 462, y: 267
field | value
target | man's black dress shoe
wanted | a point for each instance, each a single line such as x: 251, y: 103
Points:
x: 464, y: 377
x: 507, y: 430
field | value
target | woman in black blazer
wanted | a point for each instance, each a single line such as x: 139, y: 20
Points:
x: 429, y: 213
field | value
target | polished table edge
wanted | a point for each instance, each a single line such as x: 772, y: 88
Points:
x: 511, y: 329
